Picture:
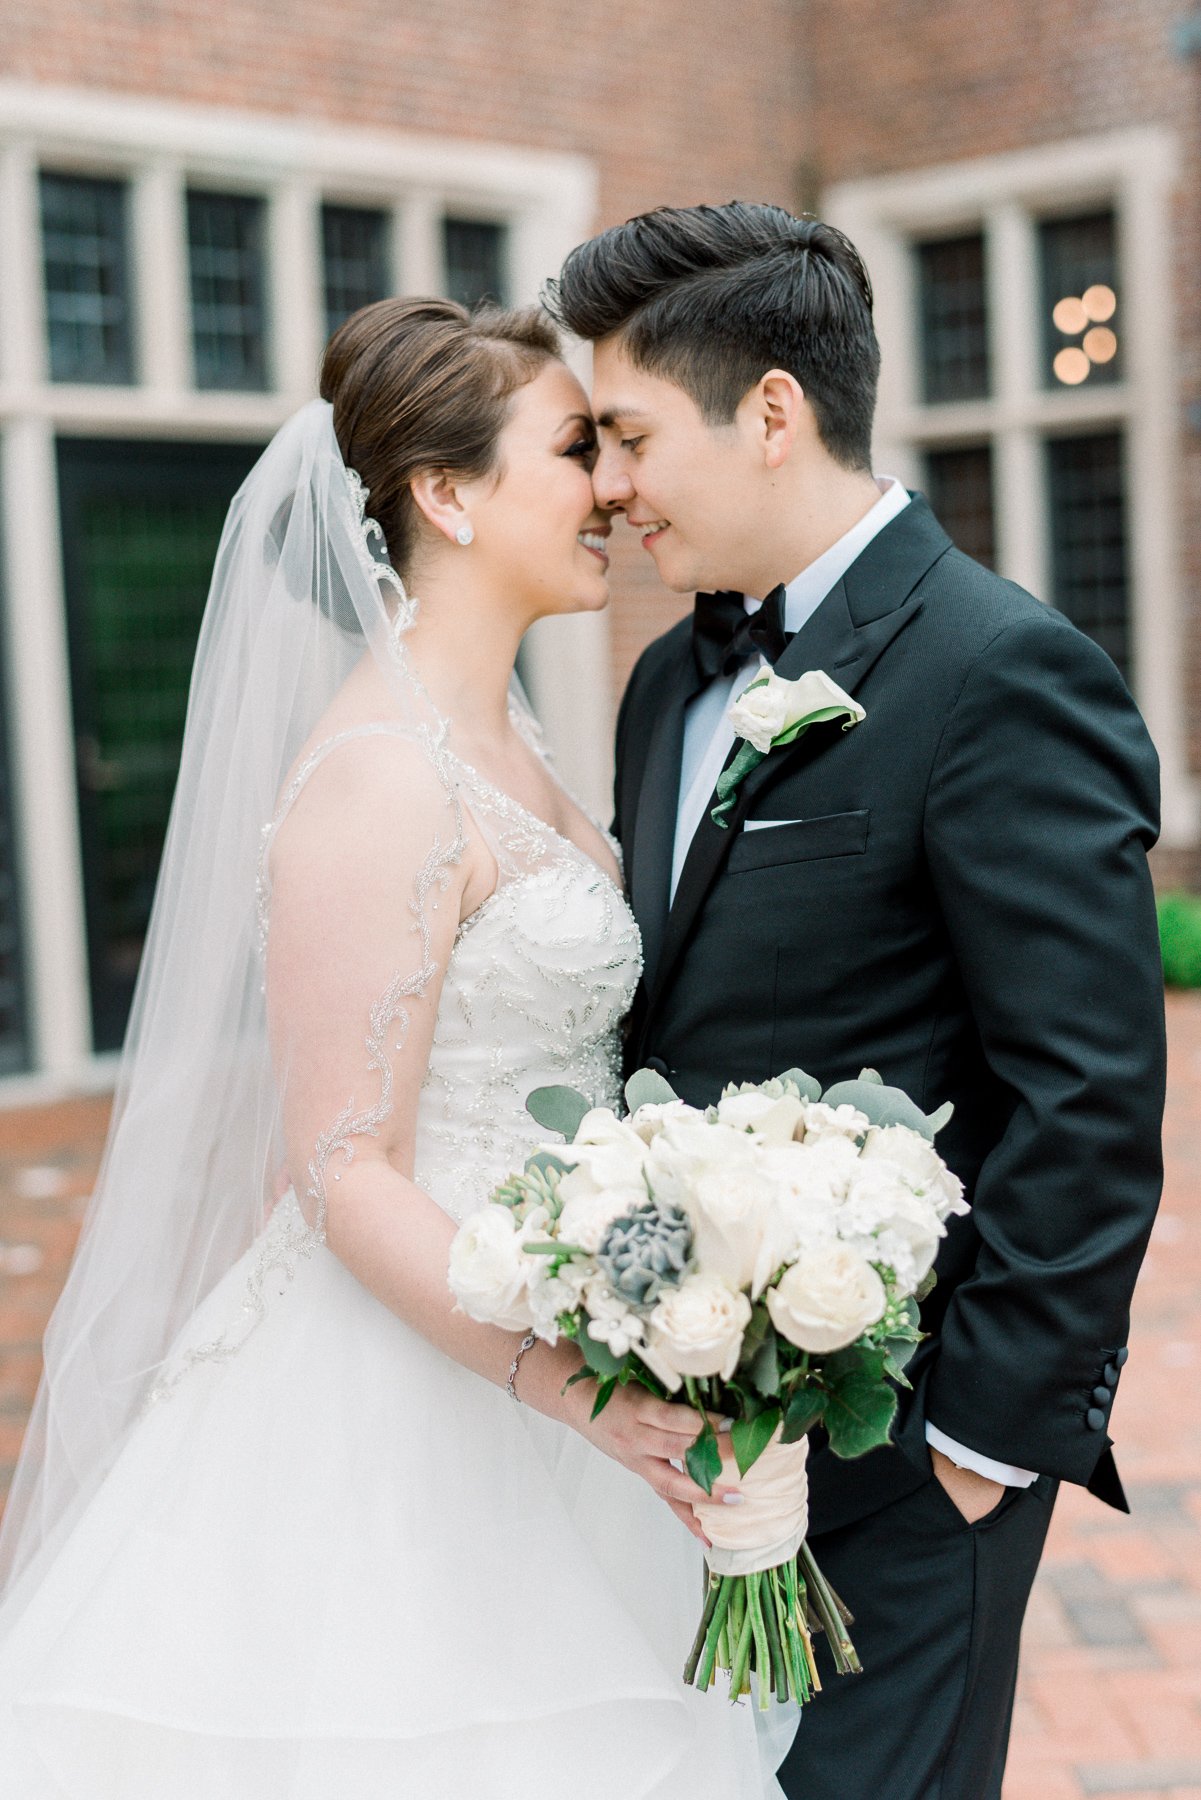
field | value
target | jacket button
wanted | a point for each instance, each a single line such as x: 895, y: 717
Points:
x: 656, y: 1065
x: 1102, y: 1396
x: 1094, y: 1418
x: 1111, y: 1376
x: 1119, y: 1356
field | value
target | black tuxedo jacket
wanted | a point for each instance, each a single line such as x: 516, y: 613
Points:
x: 960, y: 899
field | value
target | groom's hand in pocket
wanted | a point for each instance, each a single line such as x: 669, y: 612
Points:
x: 971, y: 1494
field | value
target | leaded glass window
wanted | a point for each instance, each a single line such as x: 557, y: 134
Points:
x: 953, y: 318
x: 354, y: 245
x: 1089, y: 555
x: 85, y: 262
x: 959, y: 489
x: 475, y: 253
x: 1080, y: 324
x: 228, y: 280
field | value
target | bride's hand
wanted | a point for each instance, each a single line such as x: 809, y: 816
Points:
x: 647, y: 1435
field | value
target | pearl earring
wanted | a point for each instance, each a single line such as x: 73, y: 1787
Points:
x: 464, y: 535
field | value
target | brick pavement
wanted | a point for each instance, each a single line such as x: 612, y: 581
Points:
x: 1109, y: 1702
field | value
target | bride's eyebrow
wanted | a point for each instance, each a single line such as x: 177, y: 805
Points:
x: 584, y: 419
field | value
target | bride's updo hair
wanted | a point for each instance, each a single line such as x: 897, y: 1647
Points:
x: 418, y: 385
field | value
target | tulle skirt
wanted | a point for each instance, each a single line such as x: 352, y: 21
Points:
x: 340, y: 1567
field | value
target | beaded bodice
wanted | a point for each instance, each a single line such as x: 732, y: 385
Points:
x: 534, y: 995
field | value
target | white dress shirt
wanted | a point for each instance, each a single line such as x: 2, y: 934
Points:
x: 708, y: 738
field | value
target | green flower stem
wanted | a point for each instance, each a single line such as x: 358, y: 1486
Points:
x: 714, y: 1587
x: 775, y: 1633
x: 717, y: 1634
x: 832, y: 1614
x: 742, y: 1654
x: 759, y: 1631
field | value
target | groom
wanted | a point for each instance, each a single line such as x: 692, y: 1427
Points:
x: 955, y: 893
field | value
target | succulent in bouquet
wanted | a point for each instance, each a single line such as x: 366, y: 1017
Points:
x: 763, y: 1259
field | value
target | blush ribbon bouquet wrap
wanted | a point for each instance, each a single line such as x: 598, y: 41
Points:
x: 762, y: 1259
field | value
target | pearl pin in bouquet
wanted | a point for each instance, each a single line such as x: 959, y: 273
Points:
x: 763, y: 1258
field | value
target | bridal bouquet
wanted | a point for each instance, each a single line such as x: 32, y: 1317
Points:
x: 765, y: 1256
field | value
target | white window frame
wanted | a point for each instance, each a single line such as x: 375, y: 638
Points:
x: 1137, y: 172
x: 548, y: 202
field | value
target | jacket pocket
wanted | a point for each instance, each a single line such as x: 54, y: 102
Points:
x: 801, y: 840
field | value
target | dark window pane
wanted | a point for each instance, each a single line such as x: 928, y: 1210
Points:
x: 13, y: 1046
x: 85, y: 257
x: 475, y: 254
x: 225, y: 250
x: 1081, y: 332
x: 140, y: 527
x: 354, y: 243
x: 959, y: 488
x: 953, y: 309
x: 1086, y: 496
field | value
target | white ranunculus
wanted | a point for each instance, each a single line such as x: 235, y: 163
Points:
x: 823, y: 1121
x: 650, y: 1118
x: 832, y: 1160
x: 765, y: 712
x: 826, y: 1299
x: 588, y: 1211
x: 888, y: 1223
x: 489, y: 1271
x: 684, y: 1148
x: 697, y: 1328
x: 805, y: 1204
x: 923, y: 1168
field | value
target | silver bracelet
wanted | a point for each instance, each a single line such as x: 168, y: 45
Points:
x: 527, y: 1343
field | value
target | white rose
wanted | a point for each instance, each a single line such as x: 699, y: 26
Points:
x: 489, y: 1271
x: 919, y: 1162
x: 687, y: 1146
x: 696, y: 1328
x: 826, y: 1299
x: 650, y: 1118
x: 760, y: 713
x: 823, y: 1121
x: 888, y: 1223
x: 606, y: 1153
x: 775, y: 1120
x: 588, y: 1211
x: 831, y: 1161
x: 805, y: 1209
x: 730, y: 1206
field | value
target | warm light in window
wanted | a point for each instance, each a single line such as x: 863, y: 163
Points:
x: 1069, y: 316
x: 1100, y: 344
x: 1071, y: 366
x: 1100, y: 303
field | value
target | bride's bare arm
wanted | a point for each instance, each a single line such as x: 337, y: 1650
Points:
x: 371, y: 873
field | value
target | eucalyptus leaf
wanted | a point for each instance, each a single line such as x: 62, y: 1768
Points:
x: 912, y: 1313
x: 944, y: 1115
x: 899, y: 1352
x: 882, y: 1105
x: 545, y: 1162
x: 807, y: 1086
x: 598, y: 1356
x: 896, y: 1370
x: 803, y: 1410
x: 749, y: 1438
x: 647, y: 1088
x: 702, y: 1458
x: 557, y: 1109
x: 858, y: 1414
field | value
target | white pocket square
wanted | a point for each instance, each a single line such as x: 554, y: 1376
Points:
x: 768, y: 824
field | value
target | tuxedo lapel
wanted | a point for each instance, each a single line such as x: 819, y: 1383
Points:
x: 846, y: 635
x: 653, y: 847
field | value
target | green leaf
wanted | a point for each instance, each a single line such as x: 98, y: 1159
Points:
x: 545, y: 1162
x: 580, y: 1375
x: 858, y: 1414
x: 807, y: 1086
x: 818, y: 716
x: 804, y: 1409
x: 926, y: 1287
x: 944, y: 1115
x: 646, y: 1088
x: 598, y: 1356
x: 604, y: 1394
x: 765, y: 1367
x: 749, y: 1438
x: 557, y: 1109
x: 702, y: 1458
x: 912, y: 1313
x: 895, y: 1371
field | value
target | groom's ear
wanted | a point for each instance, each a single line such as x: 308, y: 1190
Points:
x: 779, y: 413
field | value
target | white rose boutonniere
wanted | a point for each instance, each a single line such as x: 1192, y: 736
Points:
x: 772, y: 712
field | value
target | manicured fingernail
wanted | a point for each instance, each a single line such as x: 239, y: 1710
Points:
x: 732, y: 1499
x: 724, y: 1424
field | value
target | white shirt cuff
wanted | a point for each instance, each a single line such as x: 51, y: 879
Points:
x: 1006, y: 1473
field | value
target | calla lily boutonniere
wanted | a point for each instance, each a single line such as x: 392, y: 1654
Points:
x: 771, y: 713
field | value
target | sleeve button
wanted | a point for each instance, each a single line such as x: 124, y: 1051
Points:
x: 1111, y: 1375
x: 1102, y: 1396
x: 1121, y: 1355
x: 1094, y: 1418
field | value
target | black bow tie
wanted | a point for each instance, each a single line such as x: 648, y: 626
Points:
x: 725, y: 634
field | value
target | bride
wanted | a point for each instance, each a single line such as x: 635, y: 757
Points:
x: 280, y: 1530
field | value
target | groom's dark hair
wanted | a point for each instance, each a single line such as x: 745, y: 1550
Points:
x: 712, y: 297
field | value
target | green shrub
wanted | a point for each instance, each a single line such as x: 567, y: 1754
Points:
x: 1180, y: 939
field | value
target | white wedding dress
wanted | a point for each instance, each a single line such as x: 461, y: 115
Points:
x: 329, y: 1563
